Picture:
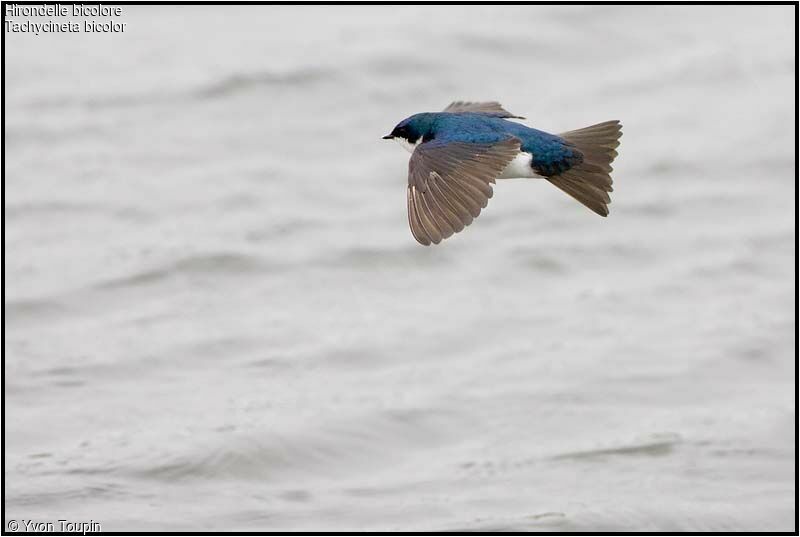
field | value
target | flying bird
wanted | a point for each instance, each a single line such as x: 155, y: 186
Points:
x: 457, y: 154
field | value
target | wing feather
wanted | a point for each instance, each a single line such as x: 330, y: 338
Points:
x: 490, y: 108
x: 466, y: 213
x: 427, y: 225
x: 439, y: 220
x: 449, y: 183
x: 427, y: 222
x: 445, y: 205
x: 413, y: 220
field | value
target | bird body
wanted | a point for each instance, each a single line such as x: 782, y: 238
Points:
x: 552, y: 154
x: 458, y: 153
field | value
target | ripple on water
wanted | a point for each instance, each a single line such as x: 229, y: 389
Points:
x: 200, y: 264
x: 328, y: 451
x: 226, y: 86
x: 656, y: 446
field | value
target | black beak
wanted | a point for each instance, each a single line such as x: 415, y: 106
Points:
x: 388, y: 137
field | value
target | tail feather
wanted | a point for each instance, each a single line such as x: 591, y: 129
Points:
x: 590, y: 181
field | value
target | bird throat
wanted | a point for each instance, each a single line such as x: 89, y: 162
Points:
x: 408, y: 146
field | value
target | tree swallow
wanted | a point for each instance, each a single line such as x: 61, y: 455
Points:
x: 457, y: 154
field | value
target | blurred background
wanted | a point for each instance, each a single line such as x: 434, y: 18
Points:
x: 217, y: 318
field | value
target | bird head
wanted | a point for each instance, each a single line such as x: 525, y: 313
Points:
x: 412, y: 131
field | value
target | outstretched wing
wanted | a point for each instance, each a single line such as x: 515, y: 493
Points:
x: 450, y: 182
x: 490, y: 108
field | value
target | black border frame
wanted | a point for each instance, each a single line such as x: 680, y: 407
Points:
x: 4, y: 531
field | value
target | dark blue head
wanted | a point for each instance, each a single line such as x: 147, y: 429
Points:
x: 415, y: 129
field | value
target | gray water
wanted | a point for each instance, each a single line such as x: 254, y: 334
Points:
x: 217, y: 318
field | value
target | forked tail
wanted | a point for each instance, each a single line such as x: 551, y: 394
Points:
x: 590, y: 181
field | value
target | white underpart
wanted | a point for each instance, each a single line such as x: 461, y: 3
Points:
x: 519, y: 168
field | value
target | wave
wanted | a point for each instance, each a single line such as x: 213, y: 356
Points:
x: 329, y: 451
x: 244, y: 82
x: 226, y: 86
x: 199, y: 264
x: 410, y: 255
x: 16, y: 211
x: 36, y: 309
x: 656, y: 446
x: 78, y: 300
